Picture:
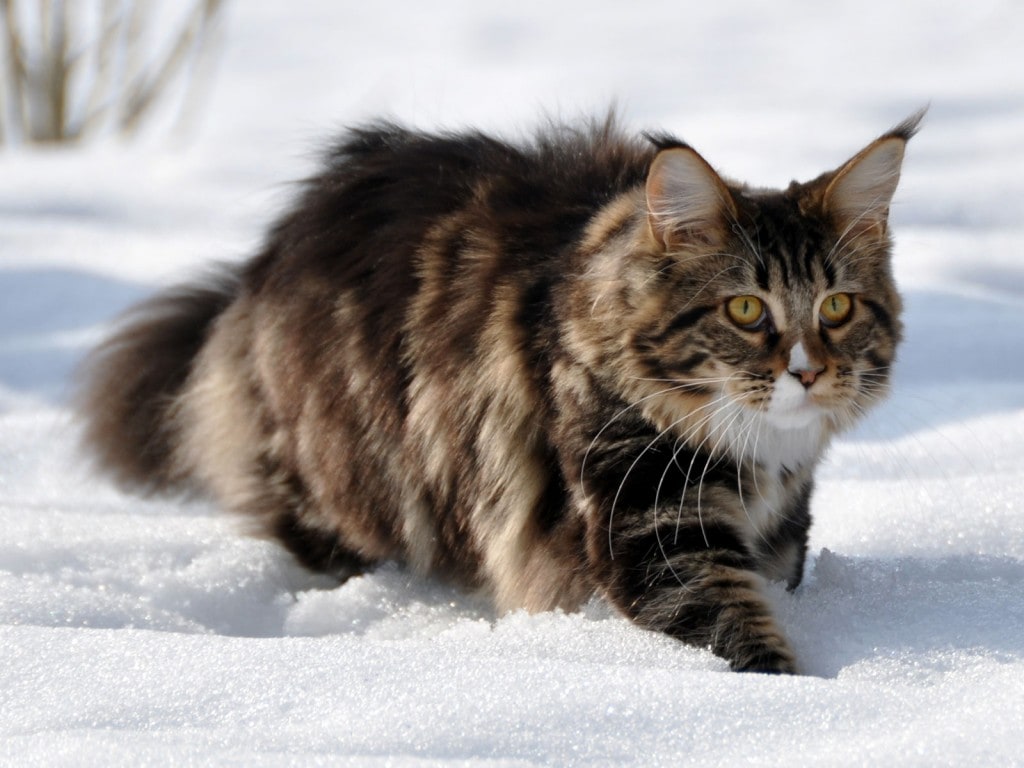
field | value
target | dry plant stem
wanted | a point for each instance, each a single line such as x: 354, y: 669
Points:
x: 44, y: 98
x: 148, y: 87
x: 98, y: 101
x: 16, y: 67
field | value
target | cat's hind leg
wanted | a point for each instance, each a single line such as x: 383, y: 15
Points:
x: 233, y: 445
x: 283, y: 505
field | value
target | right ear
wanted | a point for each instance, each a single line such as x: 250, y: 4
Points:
x: 687, y: 202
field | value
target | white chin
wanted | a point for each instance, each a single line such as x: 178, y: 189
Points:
x: 791, y: 407
x: 795, y: 418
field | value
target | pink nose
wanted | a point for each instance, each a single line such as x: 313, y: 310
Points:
x: 807, y: 376
x: 801, y: 365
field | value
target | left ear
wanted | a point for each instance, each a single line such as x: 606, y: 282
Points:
x: 859, y: 194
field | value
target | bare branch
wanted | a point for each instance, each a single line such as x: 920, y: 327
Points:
x: 149, y: 88
x: 199, y: 78
x: 16, y: 69
x: 99, y: 101
x: 78, y: 74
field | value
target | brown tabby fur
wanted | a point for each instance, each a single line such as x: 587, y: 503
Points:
x: 514, y: 366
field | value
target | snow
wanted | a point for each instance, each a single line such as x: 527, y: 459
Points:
x: 151, y: 632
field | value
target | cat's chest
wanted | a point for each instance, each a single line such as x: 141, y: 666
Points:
x: 764, y: 498
x: 774, y: 474
x: 754, y: 438
x: 781, y: 452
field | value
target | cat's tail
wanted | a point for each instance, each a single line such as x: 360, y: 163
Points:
x: 128, y: 385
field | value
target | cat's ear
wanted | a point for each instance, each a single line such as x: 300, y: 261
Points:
x: 861, y: 191
x: 687, y: 202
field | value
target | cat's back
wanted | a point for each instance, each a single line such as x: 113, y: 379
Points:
x: 384, y: 187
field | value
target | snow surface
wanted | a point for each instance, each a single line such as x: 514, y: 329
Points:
x: 139, y: 632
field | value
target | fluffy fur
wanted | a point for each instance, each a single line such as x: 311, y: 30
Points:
x: 532, y: 369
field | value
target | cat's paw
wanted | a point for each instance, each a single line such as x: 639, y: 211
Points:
x: 772, y: 661
x: 763, y: 650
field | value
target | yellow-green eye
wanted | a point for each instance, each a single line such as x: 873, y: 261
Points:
x: 746, y: 311
x: 835, y: 309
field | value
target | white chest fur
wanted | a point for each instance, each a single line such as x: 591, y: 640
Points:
x: 774, y: 442
x: 769, y: 449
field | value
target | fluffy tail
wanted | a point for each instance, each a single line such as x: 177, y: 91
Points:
x: 130, y: 382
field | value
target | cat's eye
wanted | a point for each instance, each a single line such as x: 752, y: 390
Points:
x: 835, y: 309
x: 747, y: 312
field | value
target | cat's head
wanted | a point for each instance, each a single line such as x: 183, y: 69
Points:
x: 765, y: 308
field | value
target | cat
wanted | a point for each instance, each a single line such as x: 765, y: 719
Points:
x: 581, y: 364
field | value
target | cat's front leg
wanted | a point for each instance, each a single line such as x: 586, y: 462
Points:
x: 667, y: 536
x: 691, y: 577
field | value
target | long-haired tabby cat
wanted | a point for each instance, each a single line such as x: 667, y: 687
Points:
x: 582, y: 364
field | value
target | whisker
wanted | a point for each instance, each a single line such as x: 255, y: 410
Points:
x: 689, y: 469
x: 625, y: 477
x: 616, y: 417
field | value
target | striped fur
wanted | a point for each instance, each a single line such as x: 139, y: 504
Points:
x: 513, y: 366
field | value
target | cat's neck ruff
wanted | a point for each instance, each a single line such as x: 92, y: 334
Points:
x: 776, y: 444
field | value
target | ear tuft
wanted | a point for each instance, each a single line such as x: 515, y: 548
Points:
x: 686, y: 200
x: 907, y: 129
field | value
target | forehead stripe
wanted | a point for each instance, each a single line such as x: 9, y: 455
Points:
x: 830, y: 271
x: 761, y: 273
